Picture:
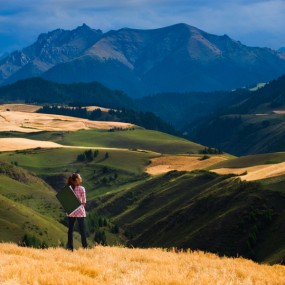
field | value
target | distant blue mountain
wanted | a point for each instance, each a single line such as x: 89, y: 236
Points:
x: 177, y: 58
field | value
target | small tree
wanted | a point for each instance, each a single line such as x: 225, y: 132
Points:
x: 115, y: 229
x: 96, y: 153
x: 81, y: 157
x: 106, y: 155
x: 100, y: 237
x: 89, y: 154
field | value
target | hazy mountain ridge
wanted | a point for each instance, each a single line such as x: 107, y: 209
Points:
x: 177, y: 58
x: 50, y: 49
x: 252, y: 125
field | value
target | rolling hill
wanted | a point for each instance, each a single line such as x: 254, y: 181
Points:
x: 121, y: 157
x: 28, y: 207
x: 76, y: 100
x: 195, y: 209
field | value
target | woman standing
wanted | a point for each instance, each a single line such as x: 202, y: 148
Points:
x: 74, y: 181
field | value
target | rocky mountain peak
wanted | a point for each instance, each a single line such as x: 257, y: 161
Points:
x: 169, y: 59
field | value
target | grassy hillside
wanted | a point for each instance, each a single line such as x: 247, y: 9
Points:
x: 251, y: 160
x: 197, y: 210
x: 252, y: 125
x: 244, y: 134
x: 100, y: 175
x: 28, y: 206
x: 113, y: 265
x: 119, y: 164
x: 130, y: 139
x: 205, y: 211
x: 200, y: 210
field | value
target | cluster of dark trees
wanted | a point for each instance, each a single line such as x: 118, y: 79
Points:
x: 96, y: 225
x: 38, y: 91
x: 210, y: 150
x: 88, y: 155
x: 32, y: 241
x: 146, y: 120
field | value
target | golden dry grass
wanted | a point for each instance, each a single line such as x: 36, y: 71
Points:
x: 33, y: 108
x: 20, y: 107
x: 113, y: 265
x: 255, y: 172
x: 279, y: 112
x: 35, y: 122
x: 92, y: 108
x: 164, y: 164
x: 11, y: 144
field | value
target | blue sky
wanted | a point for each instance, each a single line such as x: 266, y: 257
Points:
x: 253, y: 22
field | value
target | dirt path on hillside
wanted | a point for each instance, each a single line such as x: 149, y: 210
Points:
x: 255, y: 172
x: 164, y: 164
x: 35, y: 122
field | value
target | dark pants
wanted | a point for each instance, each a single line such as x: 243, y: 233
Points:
x: 82, y: 231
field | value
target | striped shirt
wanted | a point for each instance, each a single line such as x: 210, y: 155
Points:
x: 81, y: 195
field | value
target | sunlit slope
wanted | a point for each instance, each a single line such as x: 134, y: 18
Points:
x: 252, y: 160
x: 28, y: 206
x: 202, y: 210
x: 36, y: 122
x: 166, y: 163
x: 130, y: 139
x: 254, y: 167
x: 28, y: 108
x: 112, y: 265
x: 54, y: 165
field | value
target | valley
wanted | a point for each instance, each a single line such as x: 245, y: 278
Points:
x: 157, y: 189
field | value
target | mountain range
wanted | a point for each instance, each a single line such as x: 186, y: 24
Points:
x: 177, y: 58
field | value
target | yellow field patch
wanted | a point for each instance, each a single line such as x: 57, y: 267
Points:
x: 20, y: 107
x: 120, y: 266
x: 11, y: 144
x: 93, y: 108
x: 164, y: 164
x: 35, y: 122
x: 255, y: 172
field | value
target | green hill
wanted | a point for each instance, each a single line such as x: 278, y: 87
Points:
x: 197, y: 210
x: 202, y: 210
x: 251, y: 160
x: 28, y: 207
x: 244, y: 134
x: 131, y: 139
x: 99, y: 175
